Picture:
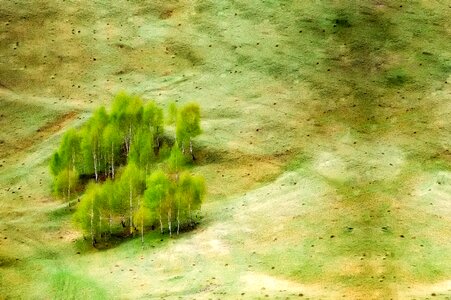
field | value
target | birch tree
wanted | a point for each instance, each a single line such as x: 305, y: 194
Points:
x: 67, y: 158
x: 176, y: 161
x: 92, y: 135
x: 87, y: 213
x: 66, y: 183
x: 190, y: 194
x: 188, y: 126
x: 143, y: 217
x: 111, y: 142
x: 127, y: 113
x: 132, y: 182
x: 142, y: 150
x: 153, y: 121
x: 156, y: 194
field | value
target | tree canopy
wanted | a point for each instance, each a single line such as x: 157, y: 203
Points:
x: 134, y: 177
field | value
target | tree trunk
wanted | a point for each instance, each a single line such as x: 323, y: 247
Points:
x: 169, y: 223
x: 127, y: 145
x: 112, y: 161
x: 68, y: 181
x: 129, y: 138
x: 68, y: 185
x: 94, y: 156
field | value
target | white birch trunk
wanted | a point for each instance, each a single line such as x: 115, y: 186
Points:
x: 94, y: 156
x: 68, y: 186
x: 112, y: 161
x: 169, y: 223
x: 110, y: 222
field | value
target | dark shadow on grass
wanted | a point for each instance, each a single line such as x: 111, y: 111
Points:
x: 152, y: 237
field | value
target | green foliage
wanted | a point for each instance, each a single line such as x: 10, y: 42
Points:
x: 91, y: 144
x: 122, y: 149
x: 69, y: 151
x: 191, y: 191
x: 188, y: 124
x: 55, y: 164
x: 66, y: 183
x: 111, y: 147
x: 176, y: 160
x: 126, y: 113
x: 153, y: 120
x: 157, y: 193
x: 67, y: 285
x: 142, y: 149
x: 88, y: 211
x: 172, y: 113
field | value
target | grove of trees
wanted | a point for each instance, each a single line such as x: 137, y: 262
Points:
x: 134, y: 176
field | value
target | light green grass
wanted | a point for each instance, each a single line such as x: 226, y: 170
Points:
x: 67, y: 285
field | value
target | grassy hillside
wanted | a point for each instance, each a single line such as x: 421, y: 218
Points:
x: 326, y: 146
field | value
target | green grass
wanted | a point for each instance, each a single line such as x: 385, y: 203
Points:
x: 321, y: 118
x: 67, y: 285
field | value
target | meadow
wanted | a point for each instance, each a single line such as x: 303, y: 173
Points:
x: 325, y: 146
